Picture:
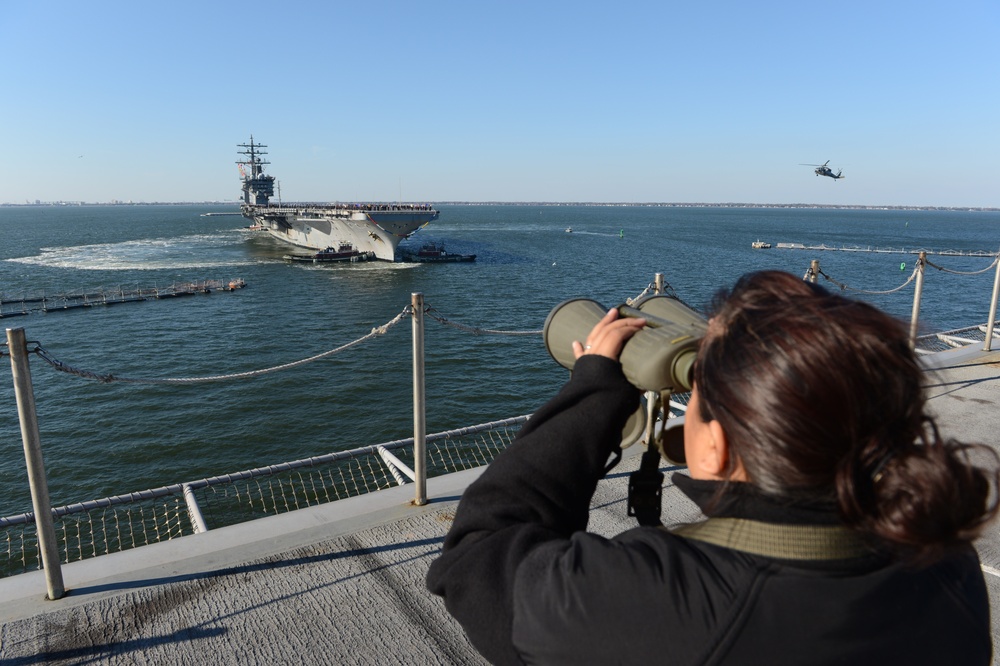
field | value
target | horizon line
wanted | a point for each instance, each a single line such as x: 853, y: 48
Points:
x: 662, y: 204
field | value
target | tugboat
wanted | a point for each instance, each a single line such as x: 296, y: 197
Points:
x: 372, y: 228
x: 343, y: 252
x: 760, y: 245
x: 435, y: 253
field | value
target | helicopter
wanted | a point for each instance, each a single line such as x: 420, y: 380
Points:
x: 824, y: 170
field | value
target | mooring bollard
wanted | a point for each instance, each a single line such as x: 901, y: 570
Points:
x: 40, y: 502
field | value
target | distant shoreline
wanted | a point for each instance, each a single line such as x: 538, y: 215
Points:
x: 624, y: 204
x: 616, y: 204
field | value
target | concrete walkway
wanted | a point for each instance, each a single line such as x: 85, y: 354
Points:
x: 342, y: 583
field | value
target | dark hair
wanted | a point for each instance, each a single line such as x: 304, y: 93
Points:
x: 821, y: 399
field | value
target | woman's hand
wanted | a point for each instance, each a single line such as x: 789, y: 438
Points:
x: 609, y: 336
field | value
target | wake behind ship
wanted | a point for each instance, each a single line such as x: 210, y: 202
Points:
x: 369, y: 229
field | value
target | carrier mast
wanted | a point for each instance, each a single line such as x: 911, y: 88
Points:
x: 257, y: 188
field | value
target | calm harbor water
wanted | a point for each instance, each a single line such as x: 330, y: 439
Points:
x: 105, y: 439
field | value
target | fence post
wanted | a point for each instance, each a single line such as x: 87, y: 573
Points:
x: 918, y: 293
x: 419, y: 402
x: 993, y: 308
x: 23, y: 392
x: 812, y: 273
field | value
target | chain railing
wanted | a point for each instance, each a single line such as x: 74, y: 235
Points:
x: 814, y: 272
x: 118, y: 523
x: 99, y: 527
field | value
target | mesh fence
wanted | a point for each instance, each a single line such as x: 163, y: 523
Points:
x: 960, y: 337
x: 114, y: 524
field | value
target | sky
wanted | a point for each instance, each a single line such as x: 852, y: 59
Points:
x: 662, y: 101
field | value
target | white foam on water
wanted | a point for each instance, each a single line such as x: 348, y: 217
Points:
x: 184, y: 252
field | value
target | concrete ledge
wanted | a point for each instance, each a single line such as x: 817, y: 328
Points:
x: 959, y: 356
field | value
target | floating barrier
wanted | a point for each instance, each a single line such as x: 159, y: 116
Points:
x: 13, y: 307
x: 884, y: 250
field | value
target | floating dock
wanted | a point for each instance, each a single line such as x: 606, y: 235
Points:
x: 13, y: 307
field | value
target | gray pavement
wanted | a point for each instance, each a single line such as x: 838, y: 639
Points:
x: 342, y: 583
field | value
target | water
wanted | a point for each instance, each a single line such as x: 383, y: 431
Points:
x: 105, y: 439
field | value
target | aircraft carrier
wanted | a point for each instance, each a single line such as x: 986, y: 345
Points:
x: 368, y: 229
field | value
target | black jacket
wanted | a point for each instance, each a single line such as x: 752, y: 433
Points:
x: 530, y: 585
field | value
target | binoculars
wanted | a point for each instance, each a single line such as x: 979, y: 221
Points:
x: 658, y: 359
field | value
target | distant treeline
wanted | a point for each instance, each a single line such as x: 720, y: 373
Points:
x: 712, y: 205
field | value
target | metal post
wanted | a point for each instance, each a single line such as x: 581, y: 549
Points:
x: 419, y: 402
x: 993, y: 308
x: 813, y: 273
x: 658, y: 282
x: 917, y: 295
x: 23, y: 392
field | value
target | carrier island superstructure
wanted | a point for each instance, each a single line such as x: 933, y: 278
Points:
x: 369, y: 229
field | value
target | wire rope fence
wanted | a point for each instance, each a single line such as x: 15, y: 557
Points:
x: 99, y: 527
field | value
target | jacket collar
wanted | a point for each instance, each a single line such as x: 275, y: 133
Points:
x: 737, y: 499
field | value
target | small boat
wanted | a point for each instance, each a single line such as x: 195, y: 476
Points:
x: 760, y: 245
x: 343, y: 252
x: 569, y: 230
x: 435, y: 253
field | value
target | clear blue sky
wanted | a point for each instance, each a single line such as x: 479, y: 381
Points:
x: 504, y: 101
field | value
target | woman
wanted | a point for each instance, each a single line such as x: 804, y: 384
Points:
x: 839, y: 522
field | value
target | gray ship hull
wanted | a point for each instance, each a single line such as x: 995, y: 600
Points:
x: 366, y: 227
